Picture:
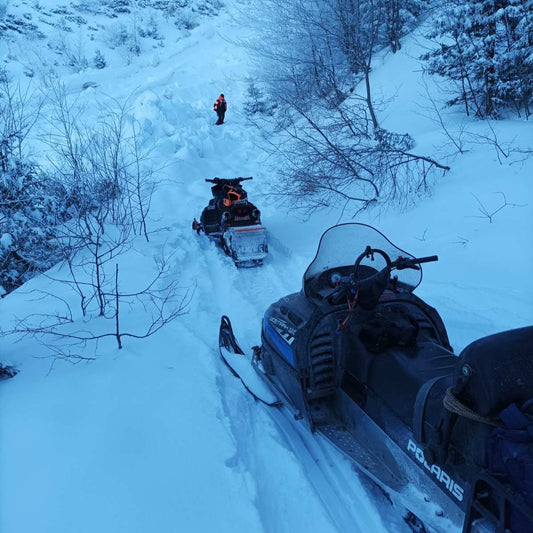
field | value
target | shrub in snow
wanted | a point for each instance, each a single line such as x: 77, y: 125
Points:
x: 256, y: 101
x: 150, y: 29
x: 99, y: 60
x: 186, y: 20
x: 78, y: 63
x: 7, y: 371
x: 394, y: 141
x: 31, y: 205
x: 120, y: 6
x: 117, y: 35
x: 73, y: 50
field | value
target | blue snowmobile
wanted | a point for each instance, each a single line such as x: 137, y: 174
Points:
x: 368, y: 364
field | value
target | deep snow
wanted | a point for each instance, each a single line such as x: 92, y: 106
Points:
x: 159, y: 436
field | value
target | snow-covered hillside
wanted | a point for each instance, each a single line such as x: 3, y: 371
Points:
x: 159, y: 436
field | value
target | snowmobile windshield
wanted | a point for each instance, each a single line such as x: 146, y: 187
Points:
x: 340, y: 247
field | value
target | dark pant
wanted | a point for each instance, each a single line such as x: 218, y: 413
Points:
x: 220, y: 115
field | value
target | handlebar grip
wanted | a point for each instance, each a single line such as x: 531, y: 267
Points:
x: 405, y: 262
x: 427, y: 259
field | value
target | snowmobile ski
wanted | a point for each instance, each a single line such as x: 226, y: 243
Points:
x: 239, y: 365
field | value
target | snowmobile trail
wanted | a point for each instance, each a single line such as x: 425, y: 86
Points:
x: 254, y: 433
x: 334, y: 478
x: 339, y: 501
x: 337, y: 488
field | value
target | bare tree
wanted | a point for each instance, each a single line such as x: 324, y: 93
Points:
x: 489, y: 214
x: 331, y: 142
x: 105, y: 164
x: 20, y: 109
x: 159, y: 302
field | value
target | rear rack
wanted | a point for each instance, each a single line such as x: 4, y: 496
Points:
x: 495, y: 505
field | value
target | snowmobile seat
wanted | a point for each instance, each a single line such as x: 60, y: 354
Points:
x: 490, y: 374
x: 397, y: 376
x: 496, y: 371
x: 395, y: 368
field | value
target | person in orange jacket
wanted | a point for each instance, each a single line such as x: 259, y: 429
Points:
x: 220, y: 107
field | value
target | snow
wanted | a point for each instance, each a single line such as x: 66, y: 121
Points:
x: 6, y: 240
x: 159, y: 436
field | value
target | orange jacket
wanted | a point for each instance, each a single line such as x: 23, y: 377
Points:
x: 220, y: 104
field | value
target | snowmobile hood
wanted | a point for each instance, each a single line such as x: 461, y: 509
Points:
x: 342, y: 244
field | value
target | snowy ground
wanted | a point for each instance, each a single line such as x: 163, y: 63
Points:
x: 158, y: 436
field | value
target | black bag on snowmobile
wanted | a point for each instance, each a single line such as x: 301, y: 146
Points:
x: 510, y: 454
x: 492, y: 373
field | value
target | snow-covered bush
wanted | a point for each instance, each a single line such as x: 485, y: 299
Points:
x: 256, y: 101
x: 73, y: 50
x: 7, y: 371
x: 31, y: 206
x: 99, y: 60
x: 119, y: 36
x: 150, y: 28
x: 394, y: 141
x: 186, y: 20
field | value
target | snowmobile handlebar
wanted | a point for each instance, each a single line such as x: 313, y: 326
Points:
x: 406, y: 262
x: 371, y: 288
x: 229, y: 180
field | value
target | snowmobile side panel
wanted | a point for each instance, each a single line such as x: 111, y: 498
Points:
x: 287, y: 379
x: 279, y: 338
x: 396, y: 466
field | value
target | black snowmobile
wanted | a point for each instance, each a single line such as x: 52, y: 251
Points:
x: 234, y: 222
x: 369, y: 365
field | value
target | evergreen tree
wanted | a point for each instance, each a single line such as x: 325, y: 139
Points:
x: 99, y: 60
x: 486, y: 48
x: 400, y: 16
